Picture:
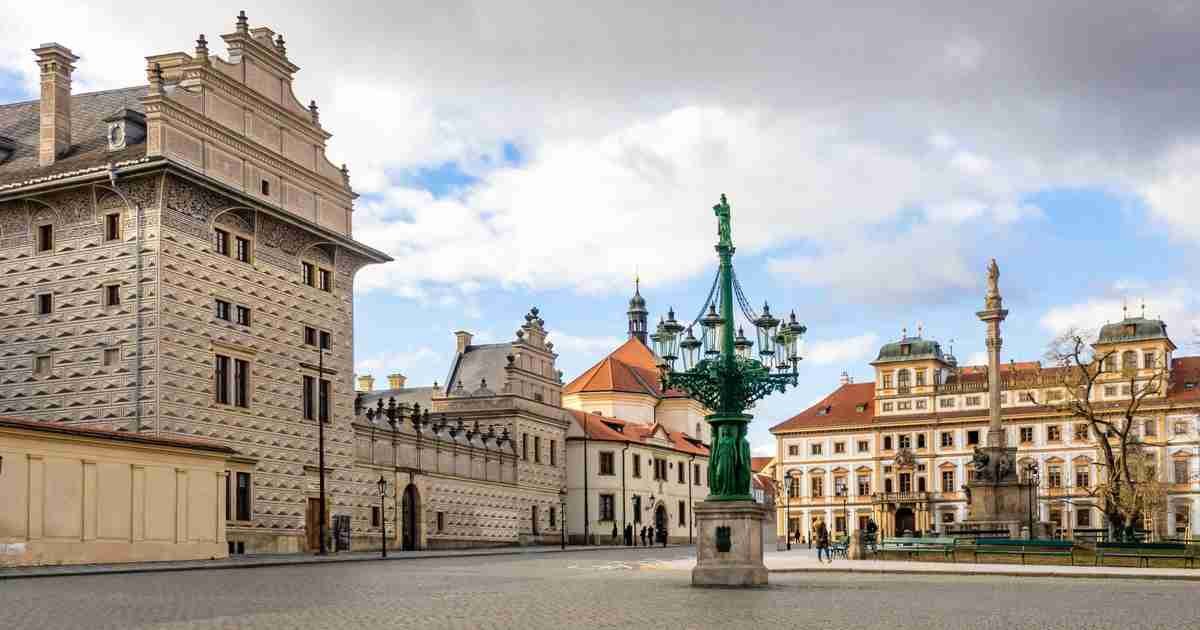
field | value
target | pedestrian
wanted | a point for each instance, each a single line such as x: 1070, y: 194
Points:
x: 614, y: 534
x: 664, y: 538
x: 642, y: 535
x: 872, y: 532
x: 628, y: 535
x: 822, y: 535
x: 651, y: 536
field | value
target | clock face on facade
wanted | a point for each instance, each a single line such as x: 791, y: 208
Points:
x: 116, y: 136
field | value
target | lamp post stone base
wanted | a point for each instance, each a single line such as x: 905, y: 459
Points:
x: 729, y: 550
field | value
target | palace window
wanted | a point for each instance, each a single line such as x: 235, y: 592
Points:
x: 682, y: 514
x: 375, y: 516
x: 1110, y: 390
x: 887, y: 380
x: 1181, y: 471
x: 441, y: 522
x: 241, y: 383
x: 793, y: 486
x: 323, y: 387
x: 42, y: 365
x: 814, y: 449
x: 1149, y: 427
x: 221, y: 242
x: 818, y: 486
x: 1026, y: 435
x: 887, y: 485
x: 839, y: 447
x: 922, y: 403
x: 695, y: 474
x: 308, y: 274
x: 221, y: 378
x: 1179, y: 427
x: 112, y: 356
x: 1083, y: 477
x: 946, y: 403
x: 887, y: 406
x: 553, y: 452
x: 243, y: 496
x: 902, y: 380
x: 793, y: 450
x: 840, y: 487
x: 972, y: 437
x: 920, y: 441
x: 1054, y: 433
x: 887, y: 442
x: 904, y: 440
x: 553, y: 513
x: 974, y: 401
x: 864, y: 446
x: 1149, y: 360
x: 112, y: 295
x: 525, y: 446
x: 1129, y: 360
x: 112, y: 226
x: 243, y: 315
x: 1054, y: 395
x: 309, y: 385
x: 223, y: 310
x: 1054, y: 476
x: 45, y: 238
x: 947, y: 439
x: 680, y: 475
x: 537, y: 451
x: 607, y: 507
x: 243, y: 250
x: 1110, y: 363
x: 1026, y: 397
x: 920, y: 484
x: 904, y: 405
x: 947, y: 518
x: 324, y: 280
x: 1081, y: 432
x: 637, y: 466
x: 45, y: 303
x: 660, y: 469
x: 920, y: 378
x: 905, y: 482
x: 864, y: 485
x: 948, y: 481
x: 1083, y: 517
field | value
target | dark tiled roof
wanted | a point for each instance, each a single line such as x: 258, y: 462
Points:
x: 477, y: 363
x: 89, y: 144
x: 1133, y: 329
x: 118, y: 436
x: 910, y: 349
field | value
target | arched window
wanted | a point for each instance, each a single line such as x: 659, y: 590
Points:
x: 1129, y: 360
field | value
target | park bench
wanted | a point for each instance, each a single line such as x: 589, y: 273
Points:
x: 1145, y: 552
x: 915, y: 546
x: 1022, y: 548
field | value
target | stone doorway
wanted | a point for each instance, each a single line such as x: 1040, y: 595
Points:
x: 312, y: 524
x: 660, y: 522
x: 906, y: 522
x: 410, y: 509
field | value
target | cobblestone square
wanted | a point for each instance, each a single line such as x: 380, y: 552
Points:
x: 604, y: 589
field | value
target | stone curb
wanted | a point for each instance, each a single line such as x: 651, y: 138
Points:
x: 1040, y: 573
x: 119, y: 570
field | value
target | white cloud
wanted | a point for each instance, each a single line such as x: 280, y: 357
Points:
x: 844, y: 352
x: 1177, y: 306
x: 1172, y: 191
x: 976, y: 358
x: 766, y: 449
x: 422, y: 366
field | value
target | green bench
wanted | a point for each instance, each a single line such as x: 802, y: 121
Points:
x: 1145, y: 552
x: 1022, y: 548
x: 916, y: 546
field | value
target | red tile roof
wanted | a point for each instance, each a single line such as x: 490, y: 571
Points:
x: 764, y: 483
x: 840, y: 407
x: 606, y: 429
x: 631, y: 368
x: 758, y: 463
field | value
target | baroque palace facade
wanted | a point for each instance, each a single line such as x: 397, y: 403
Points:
x: 177, y: 260
x: 898, y: 450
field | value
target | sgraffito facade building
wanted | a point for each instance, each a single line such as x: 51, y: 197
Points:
x: 177, y: 259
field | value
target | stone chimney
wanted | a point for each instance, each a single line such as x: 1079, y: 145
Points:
x: 396, y: 380
x: 845, y: 379
x: 54, y: 137
x: 464, y: 340
x: 366, y: 383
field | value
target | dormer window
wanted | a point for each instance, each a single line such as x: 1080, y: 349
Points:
x: 1130, y: 330
x: 125, y: 127
x: 905, y: 349
x: 265, y: 188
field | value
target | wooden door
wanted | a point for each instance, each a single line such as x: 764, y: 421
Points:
x: 312, y: 524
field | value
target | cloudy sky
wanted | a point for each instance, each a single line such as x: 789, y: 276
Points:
x: 875, y: 157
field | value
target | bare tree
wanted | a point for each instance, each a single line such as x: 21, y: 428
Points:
x: 1125, y: 489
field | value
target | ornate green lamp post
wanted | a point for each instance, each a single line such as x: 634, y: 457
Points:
x: 719, y: 368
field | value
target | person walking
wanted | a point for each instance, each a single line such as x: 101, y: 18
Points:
x: 614, y: 533
x: 872, y: 533
x: 651, y: 537
x: 642, y: 535
x: 628, y: 535
x: 822, y: 535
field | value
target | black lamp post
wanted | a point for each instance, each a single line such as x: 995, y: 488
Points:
x: 322, y: 411
x: 383, y: 514
x: 787, y: 498
x: 562, y: 518
x: 1033, y: 477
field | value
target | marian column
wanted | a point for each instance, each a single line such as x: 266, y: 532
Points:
x: 992, y: 314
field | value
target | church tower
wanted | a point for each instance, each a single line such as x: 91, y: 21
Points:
x: 637, y: 313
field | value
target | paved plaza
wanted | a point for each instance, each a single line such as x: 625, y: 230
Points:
x: 636, y: 588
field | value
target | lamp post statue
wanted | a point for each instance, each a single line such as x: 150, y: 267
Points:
x: 720, y: 371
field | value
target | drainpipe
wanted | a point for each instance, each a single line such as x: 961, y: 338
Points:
x: 691, y: 506
x: 137, y: 377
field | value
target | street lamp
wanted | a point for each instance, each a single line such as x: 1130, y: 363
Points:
x: 383, y: 514
x: 719, y: 370
x: 562, y: 518
x: 1033, y: 478
x: 791, y: 475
